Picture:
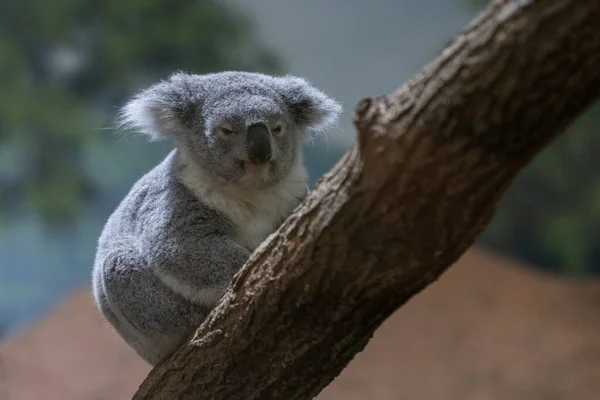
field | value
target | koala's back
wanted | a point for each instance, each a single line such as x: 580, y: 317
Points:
x: 144, y: 229
x: 158, y: 206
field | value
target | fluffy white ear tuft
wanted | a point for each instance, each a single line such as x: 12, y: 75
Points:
x: 163, y: 109
x: 310, y: 107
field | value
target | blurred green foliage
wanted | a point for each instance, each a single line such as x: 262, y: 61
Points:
x: 550, y: 216
x: 66, y: 65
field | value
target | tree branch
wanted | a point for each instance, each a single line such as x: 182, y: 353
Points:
x: 403, y: 204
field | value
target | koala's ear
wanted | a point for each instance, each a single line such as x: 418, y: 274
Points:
x: 310, y: 107
x: 163, y: 109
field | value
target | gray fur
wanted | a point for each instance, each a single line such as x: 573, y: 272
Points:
x: 169, y: 250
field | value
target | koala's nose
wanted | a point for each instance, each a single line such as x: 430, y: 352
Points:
x: 258, y: 143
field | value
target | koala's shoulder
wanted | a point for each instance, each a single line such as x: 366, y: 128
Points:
x: 159, y: 205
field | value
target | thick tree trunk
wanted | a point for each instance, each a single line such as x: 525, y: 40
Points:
x: 405, y: 202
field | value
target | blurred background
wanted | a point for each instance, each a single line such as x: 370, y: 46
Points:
x: 515, y: 318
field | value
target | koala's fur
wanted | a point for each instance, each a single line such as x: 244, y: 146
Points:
x: 169, y: 250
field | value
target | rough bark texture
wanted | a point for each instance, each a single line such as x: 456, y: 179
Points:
x: 422, y: 181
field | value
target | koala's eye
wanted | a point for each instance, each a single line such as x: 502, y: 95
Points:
x: 226, y: 131
x: 277, y: 129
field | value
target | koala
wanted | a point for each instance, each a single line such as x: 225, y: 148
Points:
x: 171, y: 247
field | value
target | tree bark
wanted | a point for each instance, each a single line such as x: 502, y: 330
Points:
x: 404, y: 203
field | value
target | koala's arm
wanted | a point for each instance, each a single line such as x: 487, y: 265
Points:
x: 199, y: 269
x: 304, y: 195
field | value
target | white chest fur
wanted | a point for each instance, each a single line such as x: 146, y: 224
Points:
x: 256, y: 217
x: 255, y: 214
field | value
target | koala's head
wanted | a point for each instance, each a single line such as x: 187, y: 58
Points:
x: 239, y: 127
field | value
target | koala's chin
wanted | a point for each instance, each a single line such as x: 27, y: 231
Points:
x: 256, y: 175
x: 228, y: 175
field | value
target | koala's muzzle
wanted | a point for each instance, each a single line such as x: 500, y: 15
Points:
x: 258, y: 143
